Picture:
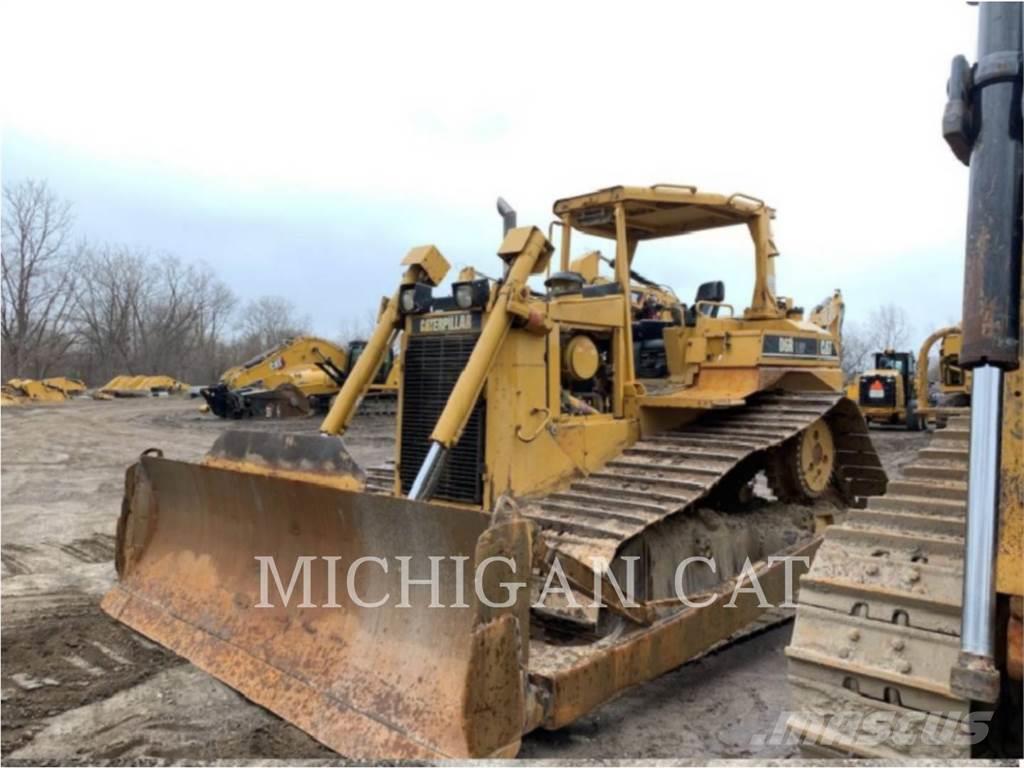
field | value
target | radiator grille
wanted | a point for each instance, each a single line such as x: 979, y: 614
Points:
x: 432, y: 365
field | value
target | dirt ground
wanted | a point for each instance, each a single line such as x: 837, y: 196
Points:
x: 76, y: 686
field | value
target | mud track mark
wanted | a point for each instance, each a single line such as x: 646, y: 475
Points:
x: 11, y: 557
x: 98, y: 548
x: 59, y: 652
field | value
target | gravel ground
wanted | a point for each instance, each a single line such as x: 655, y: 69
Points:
x: 77, y: 686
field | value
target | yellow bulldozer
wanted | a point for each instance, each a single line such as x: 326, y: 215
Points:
x: 908, y: 640
x: 534, y: 450
x: 297, y: 377
x: 886, y: 392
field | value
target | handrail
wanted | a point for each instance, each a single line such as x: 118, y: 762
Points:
x: 720, y: 304
x: 551, y: 228
x: 543, y: 425
x: 688, y: 187
x: 758, y: 202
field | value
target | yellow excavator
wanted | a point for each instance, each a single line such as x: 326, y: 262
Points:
x: 908, y: 639
x: 297, y: 377
x: 951, y: 395
x: 953, y: 387
x: 531, y: 451
x: 954, y: 381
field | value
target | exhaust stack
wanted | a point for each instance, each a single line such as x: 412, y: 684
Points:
x: 508, y: 215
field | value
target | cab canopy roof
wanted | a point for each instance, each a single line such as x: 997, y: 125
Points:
x: 662, y: 210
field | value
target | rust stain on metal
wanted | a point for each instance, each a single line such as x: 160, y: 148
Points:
x: 394, y: 685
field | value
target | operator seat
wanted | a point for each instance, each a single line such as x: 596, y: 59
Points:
x: 710, y: 291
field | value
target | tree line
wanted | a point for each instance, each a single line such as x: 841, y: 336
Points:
x: 887, y: 327
x: 94, y: 311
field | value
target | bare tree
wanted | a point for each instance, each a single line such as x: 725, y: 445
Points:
x: 109, y: 298
x: 38, y: 276
x: 890, y: 327
x: 137, y: 313
x: 267, y: 321
x: 102, y: 311
x: 856, y: 349
x: 216, y: 303
x: 358, y: 328
x: 887, y: 327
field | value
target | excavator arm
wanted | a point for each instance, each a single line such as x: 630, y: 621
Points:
x: 921, y: 376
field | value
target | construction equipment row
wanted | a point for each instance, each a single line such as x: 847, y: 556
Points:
x: 298, y: 377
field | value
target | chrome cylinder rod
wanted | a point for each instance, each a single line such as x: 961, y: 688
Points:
x: 977, y: 634
x: 426, y: 479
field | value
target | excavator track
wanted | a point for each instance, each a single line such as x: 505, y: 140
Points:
x: 878, y: 623
x: 378, y: 404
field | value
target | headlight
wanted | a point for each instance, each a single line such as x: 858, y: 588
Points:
x: 408, y: 299
x: 414, y: 299
x: 464, y: 296
x: 471, y: 293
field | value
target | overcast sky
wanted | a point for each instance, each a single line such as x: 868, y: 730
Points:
x: 301, y: 149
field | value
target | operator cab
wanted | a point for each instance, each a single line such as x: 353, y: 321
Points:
x: 900, y: 362
x: 629, y: 215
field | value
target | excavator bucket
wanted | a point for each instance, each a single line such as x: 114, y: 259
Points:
x: 366, y: 666
x: 284, y: 402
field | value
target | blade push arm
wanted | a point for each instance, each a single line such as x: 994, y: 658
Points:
x: 364, y: 372
x: 425, y: 264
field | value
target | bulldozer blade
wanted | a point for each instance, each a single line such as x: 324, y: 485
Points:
x: 320, y: 459
x: 363, y: 665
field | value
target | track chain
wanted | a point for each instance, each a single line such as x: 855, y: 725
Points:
x: 878, y: 625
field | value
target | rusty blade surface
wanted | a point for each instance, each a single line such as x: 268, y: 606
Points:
x: 369, y: 682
